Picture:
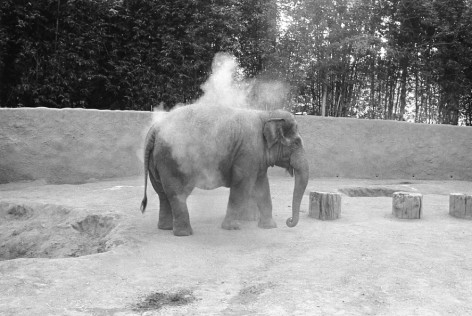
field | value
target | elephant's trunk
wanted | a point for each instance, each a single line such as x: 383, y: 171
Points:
x: 301, y: 170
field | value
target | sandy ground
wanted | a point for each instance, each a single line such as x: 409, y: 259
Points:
x: 365, y: 263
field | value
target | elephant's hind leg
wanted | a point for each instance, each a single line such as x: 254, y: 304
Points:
x: 177, y: 192
x: 165, y: 210
x: 181, y: 224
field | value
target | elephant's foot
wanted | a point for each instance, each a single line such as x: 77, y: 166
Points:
x: 166, y: 220
x: 165, y: 225
x: 230, y: 224
x: 267, y: 223
x: 182, y: 229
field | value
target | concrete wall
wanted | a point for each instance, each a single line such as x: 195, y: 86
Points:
x: 69, y: 145
x: 352, y: 148
x: 74, y: 146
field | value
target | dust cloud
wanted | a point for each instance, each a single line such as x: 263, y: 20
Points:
x: 227, y: 86
x: 224, y: 87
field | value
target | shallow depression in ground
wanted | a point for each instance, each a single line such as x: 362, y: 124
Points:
x: 34, y: 230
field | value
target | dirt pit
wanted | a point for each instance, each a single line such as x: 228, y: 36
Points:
x: 52, y: 231
x: 377, y: 191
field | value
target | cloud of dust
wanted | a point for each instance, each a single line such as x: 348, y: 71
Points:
x: 227, y: 86
x: 268, y: 95
x: 224, y: 86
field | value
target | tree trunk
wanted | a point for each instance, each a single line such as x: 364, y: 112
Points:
x: 324, y: 92
x: 392, y: 81
x: 403, y: 81
x: 449, y: 107
x: 372, y: 85
x: 313, y: 95
x: 417, y: 109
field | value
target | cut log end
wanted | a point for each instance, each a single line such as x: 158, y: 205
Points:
x: 407, y: 205
x: 460, y: 205
x: 325, y: 205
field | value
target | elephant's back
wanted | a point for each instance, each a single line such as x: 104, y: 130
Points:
x: 202, y: 140
x: 197, y: 124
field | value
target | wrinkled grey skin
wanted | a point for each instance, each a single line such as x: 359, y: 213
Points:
x: 209, y: 147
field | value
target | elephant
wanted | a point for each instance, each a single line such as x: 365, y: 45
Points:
x: 210, y: 146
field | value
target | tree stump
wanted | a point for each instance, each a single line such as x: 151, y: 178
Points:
x: 324, y: 205
x: 407, y: 205
x: 460, y: 205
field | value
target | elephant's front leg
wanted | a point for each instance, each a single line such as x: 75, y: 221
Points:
x: 239, y: 196
x: 264, y: 202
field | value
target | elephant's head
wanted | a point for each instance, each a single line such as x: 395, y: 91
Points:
x: 285, y: 149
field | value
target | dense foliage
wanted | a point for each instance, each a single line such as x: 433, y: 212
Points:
x: 129, y: 54
x: 387, y: 59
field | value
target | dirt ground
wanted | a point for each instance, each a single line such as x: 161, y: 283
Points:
x: 100, y: 256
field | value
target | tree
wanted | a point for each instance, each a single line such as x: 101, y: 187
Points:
x: 130, y: 54
x: 451, y: 56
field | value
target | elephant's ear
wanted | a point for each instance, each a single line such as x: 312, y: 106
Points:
x: 273, y: 131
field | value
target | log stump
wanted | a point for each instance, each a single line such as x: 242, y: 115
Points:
x: 407, y: 205
x: 460, y: 205
x: 325, y: 205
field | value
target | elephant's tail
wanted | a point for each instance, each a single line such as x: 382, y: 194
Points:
x: 148, y: 148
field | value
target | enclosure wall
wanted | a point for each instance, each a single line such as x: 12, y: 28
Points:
x: 69, y: 145
x: 353, y: 148
x: 75, y: 145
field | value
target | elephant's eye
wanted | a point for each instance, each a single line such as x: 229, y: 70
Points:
x: 297, y: 141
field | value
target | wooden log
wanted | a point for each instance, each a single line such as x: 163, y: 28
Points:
x: 460, y: 205
x: 407, y: 205
x: 325, y: 205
